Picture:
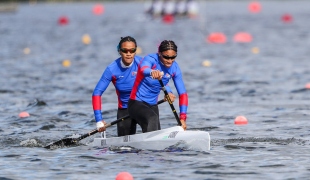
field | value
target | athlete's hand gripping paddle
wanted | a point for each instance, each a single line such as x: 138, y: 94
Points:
x: 71, y: 141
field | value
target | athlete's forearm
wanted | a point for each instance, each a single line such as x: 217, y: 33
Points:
x: 183, y: 104
x: 96, y: 101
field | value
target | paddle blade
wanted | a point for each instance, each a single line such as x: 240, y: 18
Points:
x: 62, y: 143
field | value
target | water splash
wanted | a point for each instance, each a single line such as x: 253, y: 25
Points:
x: 30, y: 143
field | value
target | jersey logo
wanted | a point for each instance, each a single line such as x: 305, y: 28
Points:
x: 133, y: 73
x: 173, y: 134
x: 126, y: 138
x: 103, y: 142
x: 167, y: 75
x: 120, y: 76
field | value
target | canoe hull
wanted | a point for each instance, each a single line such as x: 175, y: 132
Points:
x: 160, y: 140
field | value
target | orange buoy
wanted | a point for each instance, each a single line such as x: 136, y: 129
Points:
x: 139, y: 50
x: 66, y: 63
x: 255, y: 50
x: 27, y: 51
x: 216, y: 37
x: 86, y: 39
x: 206, y: 63
x: 243, y: 37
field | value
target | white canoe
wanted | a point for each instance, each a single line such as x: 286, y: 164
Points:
x: 160, y: 140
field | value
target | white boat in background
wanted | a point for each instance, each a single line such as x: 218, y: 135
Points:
x: 159, y: 140
x: 8, y: 7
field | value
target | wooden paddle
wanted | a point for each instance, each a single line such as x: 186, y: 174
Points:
x: 170, y: 102
x: 70, y: 141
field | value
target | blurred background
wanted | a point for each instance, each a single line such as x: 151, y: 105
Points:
x: 238, y: 58
x: 232, y: 54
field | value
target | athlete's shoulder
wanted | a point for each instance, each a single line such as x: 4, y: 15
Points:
x: 137, y: 59
x: 151, y: 57
x: 176, y: 64
x: 115, y: 64
x: 175, y: 67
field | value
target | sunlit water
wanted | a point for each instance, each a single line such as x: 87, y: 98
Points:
x: 268, y: 88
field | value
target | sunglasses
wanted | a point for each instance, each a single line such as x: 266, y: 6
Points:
x: 128, y: 50
x: 169, y: 57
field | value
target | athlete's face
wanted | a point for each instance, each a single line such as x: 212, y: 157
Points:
x: 168, y: 57
x: 127, y: 52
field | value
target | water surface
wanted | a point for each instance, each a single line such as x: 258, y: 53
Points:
x: 268, y: 88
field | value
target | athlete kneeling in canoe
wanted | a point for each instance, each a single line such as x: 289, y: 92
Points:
x: 122, y: 72
x: 143, y: 98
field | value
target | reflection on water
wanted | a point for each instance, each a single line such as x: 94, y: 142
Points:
x: 49, y: 71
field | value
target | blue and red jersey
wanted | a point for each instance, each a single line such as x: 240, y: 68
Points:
x: 122, y: 78
x: 147, y: 89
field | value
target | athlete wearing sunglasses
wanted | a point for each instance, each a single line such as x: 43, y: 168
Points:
x: 142, y: 103
x: 168, y: 57
x: 122, y: 73
x: 125, y: 51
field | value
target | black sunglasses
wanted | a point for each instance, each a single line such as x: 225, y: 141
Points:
x: 169, y: 57
x: 128, y: 50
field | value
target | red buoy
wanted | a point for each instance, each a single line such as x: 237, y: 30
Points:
x: 168, y: 19
x: 63, y: 20
x: 243, y: 37
x: 216, y: 37
x: 23, y: 114
x: 124, y: 176
x: 287, y: 18
x: 254, y: 7
x: 98, y: 9
x: 241, y: 120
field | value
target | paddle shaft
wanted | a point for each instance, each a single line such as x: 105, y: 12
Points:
x: 170, y: 102
x: 70, y: 141
x: 110, y: 124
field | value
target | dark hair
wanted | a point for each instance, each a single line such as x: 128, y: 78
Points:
x: 167, y: 45
x: 126, y: 39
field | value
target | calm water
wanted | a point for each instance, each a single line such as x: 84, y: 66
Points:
x: 268, y: 88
